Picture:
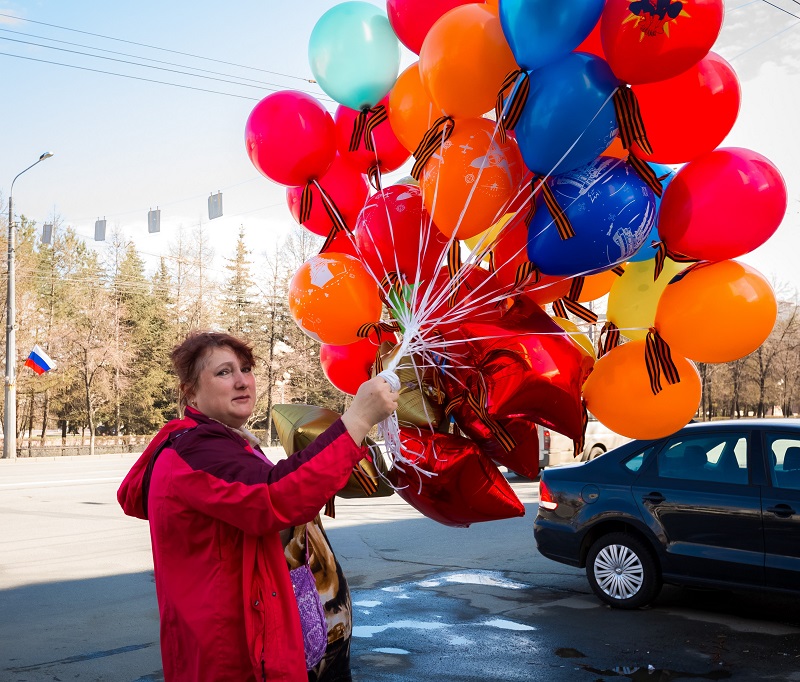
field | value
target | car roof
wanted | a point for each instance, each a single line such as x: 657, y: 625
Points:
x: 747, y: 423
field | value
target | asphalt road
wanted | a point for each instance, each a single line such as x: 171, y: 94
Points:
x: 77, y: 598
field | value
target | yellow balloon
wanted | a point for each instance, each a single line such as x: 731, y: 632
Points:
x: 579, y: 338
x: 633, y: 298
x: 490, y: 235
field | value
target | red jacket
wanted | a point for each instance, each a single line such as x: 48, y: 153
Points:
x: 215, y: 507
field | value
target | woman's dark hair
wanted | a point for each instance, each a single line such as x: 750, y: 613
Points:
x: 188, y: 356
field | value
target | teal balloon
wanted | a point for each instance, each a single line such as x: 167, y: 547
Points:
x: 354, y: 54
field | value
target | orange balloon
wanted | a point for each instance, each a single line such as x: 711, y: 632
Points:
x: 616, y: 149
x: 331, y: 296
x: 618, y: 393
x: 411, y: 112
x: 511, y: 251
x: 474, y: 174
x: 597, y: 286
x: 716, y: 312
x: 464, y: 60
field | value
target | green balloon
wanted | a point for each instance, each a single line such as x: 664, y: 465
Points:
x: 354, y: 54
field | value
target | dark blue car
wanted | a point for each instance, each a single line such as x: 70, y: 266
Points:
x: 716, y: 504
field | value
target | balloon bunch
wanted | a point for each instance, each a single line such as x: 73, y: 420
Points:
x: 539, y: 132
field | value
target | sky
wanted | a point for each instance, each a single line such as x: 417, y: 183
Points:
x: 123, y: 146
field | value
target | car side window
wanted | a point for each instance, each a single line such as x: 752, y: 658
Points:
x: 635, y: 463
x: 784, y: 461
x: 719, y: 458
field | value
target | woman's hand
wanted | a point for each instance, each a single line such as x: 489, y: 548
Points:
x: 374, y: 402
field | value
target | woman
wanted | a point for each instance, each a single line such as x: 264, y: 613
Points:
x: 216, y: 507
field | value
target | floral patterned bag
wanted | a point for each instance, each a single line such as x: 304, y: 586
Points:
x: 312, y: 614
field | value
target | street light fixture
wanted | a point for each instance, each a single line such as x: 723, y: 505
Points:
x: 10, y: 416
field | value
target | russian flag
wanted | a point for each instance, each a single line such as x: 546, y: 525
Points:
x: 39, y: 361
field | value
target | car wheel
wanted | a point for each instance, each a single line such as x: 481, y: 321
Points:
x: 595, y: 452
x: 622, y: 572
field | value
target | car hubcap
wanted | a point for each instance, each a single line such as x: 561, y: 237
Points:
x: 618, y: 571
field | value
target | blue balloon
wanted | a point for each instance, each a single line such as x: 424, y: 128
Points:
x: 541, y: 31
x: 648, y: 252
x: 354, y: 54
x: 569, y: 113
x: 611, y: 209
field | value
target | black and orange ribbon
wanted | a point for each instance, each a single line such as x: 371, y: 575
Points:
x: 392, y: 283
x: 611, y: 341
x: 507, y: 112
x: 662, y: 253
x: 619, y: 270
x: 632, y: 129
x: 364, y: 480
x: 579, y: 444
x: 477, y: 401
x: 492, y: 264
x: 374, y: 176
x: 658, y: 358
x: 453, y: 268
x: 338, y: 223
x: 439, y: 133
x: 527, y: 273
x: 367, y: 120
x: 570, y: 303
x: 380, y: 328
x: 562, y: 223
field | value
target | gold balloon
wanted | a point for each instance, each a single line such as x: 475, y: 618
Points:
x: 634, y: 297
x: 299, y: 425
x: 579, y: 338
x: 419, y: 403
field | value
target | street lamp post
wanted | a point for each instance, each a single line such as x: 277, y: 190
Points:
x: 10, y: 416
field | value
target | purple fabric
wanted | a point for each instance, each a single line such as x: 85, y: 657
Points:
x: 312, y: 615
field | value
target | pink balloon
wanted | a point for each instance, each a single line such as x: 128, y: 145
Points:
x: 290, y: 138
x: 389, y: 152
x: 412, y: 19
x: 395, y: 233
x: 347, y: 188
x: 722, y: 205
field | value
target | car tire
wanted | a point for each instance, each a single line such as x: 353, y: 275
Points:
x: 595, y: 452
x: 622, y: 571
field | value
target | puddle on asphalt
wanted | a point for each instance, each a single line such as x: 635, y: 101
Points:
x: 394, y: 652
x: 367, y: 604
x: 508, y: 625
x: 370, y: 630
x: 488, y: 578
x: 643, y: 674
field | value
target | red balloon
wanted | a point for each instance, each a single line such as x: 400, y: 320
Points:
x: 412, y: 19
x: 343, y: 243
x: 290, y: 138
x: 647, y: 41
x: 466, y: 488
x: 722, y: 205
x: 389, y: 152
x: 395, y: 233
x: 527, y: 364
x: 522, y: 459
x: 347, y: 367
x: 347, y: 188
x: 676, y: 129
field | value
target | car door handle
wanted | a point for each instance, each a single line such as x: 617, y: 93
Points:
x: 782, y: 510
x: 654, y: 498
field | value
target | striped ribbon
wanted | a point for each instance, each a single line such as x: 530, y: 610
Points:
x: 658, y: 358
x: 374, y: 176
x: 564, y: 227
x: 377, y: 365
x: 364, y: 480
x: 439, y: 133
x: 527, y: 273
x: 645, y: 171
x: 453, y: 266
x: 519, y: 96
x: 662, y: 253
x: 306, y: 202
x: 561, y: 306
x: 380, y: 328
x: 364, y: 125
x: 492, y: 264
x: 629, y: 117
x: 579, y: 444
x: 477, y: 401
x: 392, y: 283
x: 337, y: 220
x: 576, y: 288
x: 611, y: 341
x: 619, y: 270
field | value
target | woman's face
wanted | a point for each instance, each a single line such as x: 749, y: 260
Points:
x: 226, y: 388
